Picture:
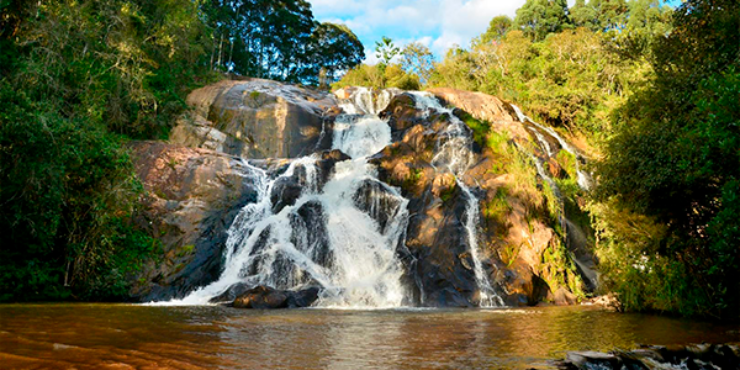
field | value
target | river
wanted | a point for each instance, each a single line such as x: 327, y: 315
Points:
x: 101, y: 336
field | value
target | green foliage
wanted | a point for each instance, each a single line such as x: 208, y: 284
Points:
x: 481, y: 129
x: 497, y: 29
x: 416, y: 59
x: 121, y: 63
x: 278, y: 40
x: 67, y: 193
x: 334, y: 48
x: 538, y: 18
x: 379, y: 77
x: 674, y: 164
x: 84, y: 77
x: 386, y: 50
x: 569, y: 80
x: 559, y: 270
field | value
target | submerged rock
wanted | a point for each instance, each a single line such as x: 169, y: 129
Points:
x: 263, y: 297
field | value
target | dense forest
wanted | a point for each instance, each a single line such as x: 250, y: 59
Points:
x: 651, y: 93
x: 79, y: 79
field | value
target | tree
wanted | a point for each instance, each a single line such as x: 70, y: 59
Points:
x: 538, y: 18
x: 417, y: 59
x: 334, y: 48
x: 584, y: 15
x: 675, y: 163
x: 497, y: 28
x: 386, y: 50
x: 379, y: 77
x: 279, y: 40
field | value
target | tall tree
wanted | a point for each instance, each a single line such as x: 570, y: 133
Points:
x: 386, y: 50
x: 497, y: 28
x: 584, y: 15
x: 538, y: 18
x: 334, y: 47
x: 417, y: 59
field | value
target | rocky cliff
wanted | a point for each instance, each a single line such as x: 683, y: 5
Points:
x: 527, y: 242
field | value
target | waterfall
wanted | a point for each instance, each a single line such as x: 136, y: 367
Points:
x: 454, y: 154
x: 584, y: 179
x: 328, y: 237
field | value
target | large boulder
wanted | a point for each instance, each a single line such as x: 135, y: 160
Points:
x: 192, y: 197
x: 263, y: 297
x: 256, y: 118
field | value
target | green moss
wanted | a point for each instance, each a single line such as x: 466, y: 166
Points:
x: 559, y: 270
x: 447, y: 195
x: 186, y: 250
x: 254, y: 95
x: 498, y: 209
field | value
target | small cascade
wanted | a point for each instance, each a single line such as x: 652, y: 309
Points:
x: 367, y: 102
x: 341, y: 236
x: 574, y: 236
x: 584, y: 180
x: 454, y: 153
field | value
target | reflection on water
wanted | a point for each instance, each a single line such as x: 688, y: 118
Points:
x: 141, y: 337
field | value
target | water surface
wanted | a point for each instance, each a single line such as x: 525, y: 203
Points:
x: 78, y: 336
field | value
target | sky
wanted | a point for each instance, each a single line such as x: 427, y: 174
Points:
x: 438, y: 24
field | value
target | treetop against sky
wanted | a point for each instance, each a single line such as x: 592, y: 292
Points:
x: 438, y: 24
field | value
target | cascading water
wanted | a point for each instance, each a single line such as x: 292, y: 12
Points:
x: 584, y: 179
x: 454, y: 154
x: 326, y: 238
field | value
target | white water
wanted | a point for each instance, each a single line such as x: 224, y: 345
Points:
x: 337, y: 245
x: 454, y: 153
x: 584, y: 179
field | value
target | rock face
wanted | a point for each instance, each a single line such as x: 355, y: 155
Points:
x: 195, y: 188
x: 513, y: 233
x: 192, y: 196
x: 256, y: 118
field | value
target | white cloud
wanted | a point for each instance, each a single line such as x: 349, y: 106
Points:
x: 437, y: 23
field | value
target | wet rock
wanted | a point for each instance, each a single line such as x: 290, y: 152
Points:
x: 230, y: 294
x: 257, y: 118
x: 192, y: 197
x: 377, y: 200
x: 287, y: 190
x: 700, y: 357
x: 263, y: 297
x: 328, y: 160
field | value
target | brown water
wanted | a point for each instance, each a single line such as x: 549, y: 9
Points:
x: 141, y: 337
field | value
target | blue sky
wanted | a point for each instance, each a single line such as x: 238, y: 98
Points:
x: 439, y: 24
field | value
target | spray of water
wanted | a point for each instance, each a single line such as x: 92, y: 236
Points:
x: 326, y: 238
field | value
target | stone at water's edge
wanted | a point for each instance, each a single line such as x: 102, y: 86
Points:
x: 256, y: 118
x: 263, y: 297
x: 699, y: 357
x: 192, y: 197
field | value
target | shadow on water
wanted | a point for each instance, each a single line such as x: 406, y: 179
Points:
x: 124, y: 336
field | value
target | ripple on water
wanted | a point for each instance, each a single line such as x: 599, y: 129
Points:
x: 208, y: 337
